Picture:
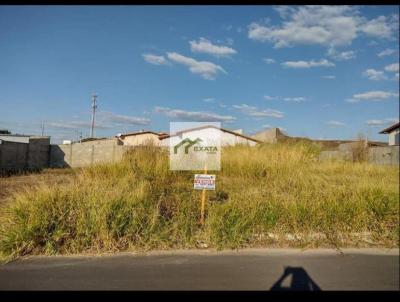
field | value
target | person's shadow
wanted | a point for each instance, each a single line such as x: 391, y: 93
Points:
x: 301, y: 281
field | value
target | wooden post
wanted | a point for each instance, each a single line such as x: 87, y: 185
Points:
x: 203, y: 200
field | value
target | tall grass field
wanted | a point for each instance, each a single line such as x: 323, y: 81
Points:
x: 269, y: 195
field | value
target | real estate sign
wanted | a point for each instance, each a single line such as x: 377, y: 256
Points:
x: 204, y: 182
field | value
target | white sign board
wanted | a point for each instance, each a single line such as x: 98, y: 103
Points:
x: 204, y: 181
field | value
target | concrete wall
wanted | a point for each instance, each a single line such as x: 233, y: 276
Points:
x: 384, y: 155
x: 375, y: 155
x: 336, y: 155
x: 13, y: 155
x: 80, y: 155
x: 38, y: 152
x: 18, y: 155
x: 102, y: 142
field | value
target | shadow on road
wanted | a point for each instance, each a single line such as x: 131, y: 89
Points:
x: 300, y: 281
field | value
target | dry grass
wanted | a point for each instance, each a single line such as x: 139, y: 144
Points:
x: 139, y: 204
x: 17, y: 183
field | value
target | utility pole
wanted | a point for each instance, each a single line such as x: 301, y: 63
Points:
x: 42, y: 128
x: 94, y: 106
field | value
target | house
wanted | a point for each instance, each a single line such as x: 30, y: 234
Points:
x: 141, y: 138
x: 227, y: 137
x: 394, y: 133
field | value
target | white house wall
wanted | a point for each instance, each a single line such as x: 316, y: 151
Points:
x: 227, y: 139
x: 394, y: 137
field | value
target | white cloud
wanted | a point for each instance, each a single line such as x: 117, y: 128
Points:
x: 205, y: 46
x: 284, y: 10
x: 329, y: 77
x: 122, y: 119
x: 324, y: 25
x: 270, y: 98
x: 269, y: 60
x: 374, y: 75
x: 372, y: 96
x: 199, y: 116
x: 208, y: 100
x: 392, y: 67
x: 207, y: 70
x: 375, y: 122
x: 341, y: 56
x: 68, y: 125
x: 386, y: 52
x: 381, y: 27
x: 295, y: 99
x: 255, y: 112
x: 336, y: 124
x: 155, y: 60
x: 381, y: 122
x: 308, y: 64
x: 105, y: 120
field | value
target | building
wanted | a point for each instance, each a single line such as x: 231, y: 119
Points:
x: 394, y: 133
x: 272, y: 135
x: 227, y: 137
x: 141, y: 138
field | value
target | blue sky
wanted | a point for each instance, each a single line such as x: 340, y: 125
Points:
x: 322, y: 72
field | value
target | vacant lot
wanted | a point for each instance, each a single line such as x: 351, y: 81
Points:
x: 18, y: 183
x: 270, y: 195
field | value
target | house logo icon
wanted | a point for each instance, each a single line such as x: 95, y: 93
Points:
x: 187, y: 143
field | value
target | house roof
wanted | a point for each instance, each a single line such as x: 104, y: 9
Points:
x: 211, y: 126
x: 390, y: 129
x: 141, y: 132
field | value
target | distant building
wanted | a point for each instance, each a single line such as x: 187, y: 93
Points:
x: 394, y: 133
x: 272, y: 135
x: 228, y: 137
x: 141, y: 138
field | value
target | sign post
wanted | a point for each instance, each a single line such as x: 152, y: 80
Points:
x: 204, y: 182
x: 196, y: 146
x: 203, y: 200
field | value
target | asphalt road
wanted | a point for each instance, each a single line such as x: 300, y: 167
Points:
x: 254, y: 269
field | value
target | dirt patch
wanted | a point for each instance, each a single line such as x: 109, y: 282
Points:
x: 18, y: 183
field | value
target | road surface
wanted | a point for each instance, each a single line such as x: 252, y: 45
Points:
x: 252, y: 269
